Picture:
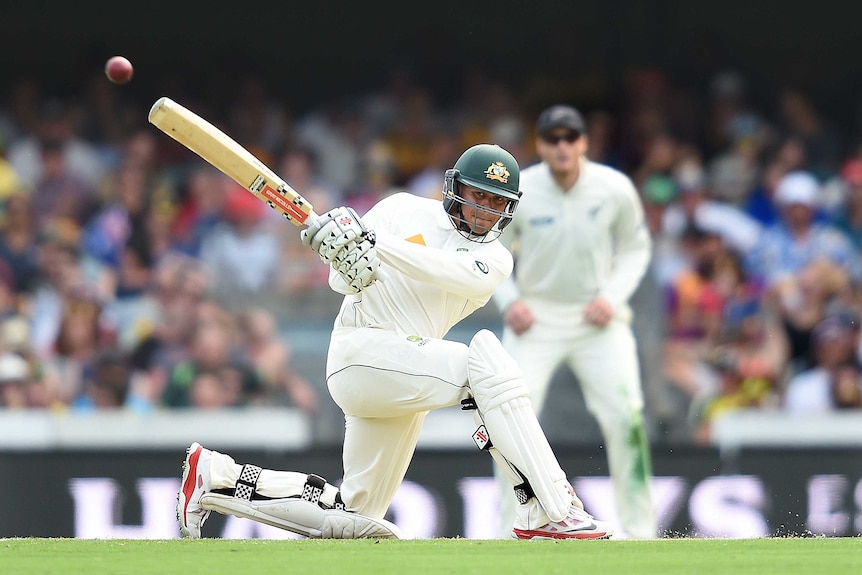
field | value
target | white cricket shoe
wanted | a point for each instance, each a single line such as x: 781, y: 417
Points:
x: 196, y: 482
x: 578, y: 524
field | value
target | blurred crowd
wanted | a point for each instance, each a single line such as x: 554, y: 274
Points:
x: 133, y: 275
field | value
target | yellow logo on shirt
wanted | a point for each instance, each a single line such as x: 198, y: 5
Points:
x: 417, y: 239
x: 497, y: 171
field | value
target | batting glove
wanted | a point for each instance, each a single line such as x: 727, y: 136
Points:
x: 333, y: 231
x: 358, y: 263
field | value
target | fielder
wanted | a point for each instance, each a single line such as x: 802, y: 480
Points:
x: 581, y: 248
x: 409, y: 271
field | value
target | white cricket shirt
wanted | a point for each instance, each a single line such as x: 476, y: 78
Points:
x: 434, y: 276
x: 570, y: 246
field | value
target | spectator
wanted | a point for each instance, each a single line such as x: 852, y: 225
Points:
x: 747, y: 364
x: 62, y: 276
x: 797, y: 239
x: 257, y: 118
x: 803, y: 300
x: 105, y: 237
x: 601, y: 128
x: 847, y: 386
x: 761, y: 204
x: 335, y: 134
x: 15, y: 377
x: 848, y: 218
x: 209, y: 391
x: 106, y: 384
x: 134, y: 308
x: 79, y: 339
x: 443, y: 151
x: 658, y: 193
x: 800, y: 118
x: 812, y: 390
x: 695, y: 206
x: 18, y: 244
x: 410, y: 141
x: 200, y: 208
x: 271, y: 358
x: 377, y: 181
x: 10, y: 183
x: 211, y: 353
x: 694, y: 308
x: 20, y: 111
x: 179, y: 286
x: 55, y: 129
x: 241, y: 255
x: 734, y: 172
x: 736, y: 390
x: 59, y: 194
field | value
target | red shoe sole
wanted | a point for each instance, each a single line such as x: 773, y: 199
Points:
x: 191, y: 479
x: 529, y: 534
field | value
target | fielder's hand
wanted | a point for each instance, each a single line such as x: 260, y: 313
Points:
x: 599, y: 312
x: 333, y: 231
x: 519, y: 317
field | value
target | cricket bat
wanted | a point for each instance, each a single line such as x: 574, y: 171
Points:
x: 227, y: 155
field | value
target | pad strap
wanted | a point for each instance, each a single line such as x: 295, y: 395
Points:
x: 524, y: 492
x: 339, y: 502
x: 313, y: 489
x: 246, y: 485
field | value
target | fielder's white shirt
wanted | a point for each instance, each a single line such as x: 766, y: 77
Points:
x: 572, y: 245
x: 429, y: 266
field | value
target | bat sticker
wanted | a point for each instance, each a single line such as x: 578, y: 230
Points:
x: 287, y: 207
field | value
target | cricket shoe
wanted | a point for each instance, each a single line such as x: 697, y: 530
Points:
x: 578, y: 524
x: 195, y: 483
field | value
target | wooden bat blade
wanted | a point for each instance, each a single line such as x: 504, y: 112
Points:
x: 231, y: 158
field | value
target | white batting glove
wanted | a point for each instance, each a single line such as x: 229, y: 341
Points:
x: 357, y: 263
x: 330, y: 233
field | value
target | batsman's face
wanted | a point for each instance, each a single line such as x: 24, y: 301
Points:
x: 561, y: 149
x: 481, y: 209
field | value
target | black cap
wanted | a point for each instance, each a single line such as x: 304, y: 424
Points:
x: 560, y: 116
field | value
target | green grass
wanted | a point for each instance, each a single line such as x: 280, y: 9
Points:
x: 820, y: 556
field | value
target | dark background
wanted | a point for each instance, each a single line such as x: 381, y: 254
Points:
x: 316, y: 51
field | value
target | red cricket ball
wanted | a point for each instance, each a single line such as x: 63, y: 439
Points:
x: 119, y: 70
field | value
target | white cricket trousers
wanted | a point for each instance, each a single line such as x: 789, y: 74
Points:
x: 385, y: 383
x: 605, y: 362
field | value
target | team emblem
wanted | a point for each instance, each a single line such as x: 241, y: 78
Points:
x: 497, y: 171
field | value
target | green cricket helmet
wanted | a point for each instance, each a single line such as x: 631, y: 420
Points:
x: 489, y: 168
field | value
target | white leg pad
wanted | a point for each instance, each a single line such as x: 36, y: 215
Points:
x: 504, y: 405
x: 303, y: 517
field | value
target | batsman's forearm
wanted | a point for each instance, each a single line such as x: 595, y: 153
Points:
x: 458, y: 273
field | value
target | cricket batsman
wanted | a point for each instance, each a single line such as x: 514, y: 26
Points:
x: 409, y: 269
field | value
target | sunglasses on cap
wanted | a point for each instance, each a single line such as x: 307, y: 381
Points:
x: 554, y: 139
